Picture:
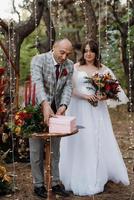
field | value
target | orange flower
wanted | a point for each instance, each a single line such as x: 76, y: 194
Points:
x: 17, y: 130
x: 6, y: 178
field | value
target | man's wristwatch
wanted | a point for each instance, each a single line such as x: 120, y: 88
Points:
x: 63, y: 105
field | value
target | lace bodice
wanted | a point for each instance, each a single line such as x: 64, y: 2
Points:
x: 80, y: 83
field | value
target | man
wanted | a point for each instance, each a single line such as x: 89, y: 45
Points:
x: 52, y: 74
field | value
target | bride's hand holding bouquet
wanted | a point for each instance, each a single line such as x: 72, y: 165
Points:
x: 104, y: 86
x: 92, y: 98
x: 101, y: 97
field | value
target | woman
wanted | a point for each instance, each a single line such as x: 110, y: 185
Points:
x: 92, y: 157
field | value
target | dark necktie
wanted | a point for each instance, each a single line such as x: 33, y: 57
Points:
x: 57, y: 71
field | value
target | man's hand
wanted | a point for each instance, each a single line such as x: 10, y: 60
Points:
x: 47, y: 112
x: 61, y: 110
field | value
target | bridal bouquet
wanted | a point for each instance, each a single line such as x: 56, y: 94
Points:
x: 104, y: 85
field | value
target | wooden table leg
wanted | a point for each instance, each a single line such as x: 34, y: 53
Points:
x: 50, y: 194
x: 48, y: 177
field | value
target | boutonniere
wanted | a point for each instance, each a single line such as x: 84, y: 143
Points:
x: 64, y: 72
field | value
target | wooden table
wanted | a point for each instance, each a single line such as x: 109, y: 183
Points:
x: 48, y: 176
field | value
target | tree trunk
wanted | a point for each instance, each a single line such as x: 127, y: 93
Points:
x: 90, y: 20
x: 128, y: 69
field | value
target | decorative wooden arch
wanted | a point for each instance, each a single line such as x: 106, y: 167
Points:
x: 16, y: 74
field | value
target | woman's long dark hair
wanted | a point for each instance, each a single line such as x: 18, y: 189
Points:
x: 94, y: 48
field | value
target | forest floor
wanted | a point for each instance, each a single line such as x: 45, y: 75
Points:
x: 121, y: 121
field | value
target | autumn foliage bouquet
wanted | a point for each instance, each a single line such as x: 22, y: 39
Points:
x: 28, y: 119
x: 104, y: 85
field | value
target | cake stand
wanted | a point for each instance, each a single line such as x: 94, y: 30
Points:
x: 47, y: 147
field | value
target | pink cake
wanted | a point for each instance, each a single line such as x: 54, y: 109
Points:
x: 62, y: 124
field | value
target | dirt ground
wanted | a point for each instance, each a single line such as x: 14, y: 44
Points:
x: 122, y: 122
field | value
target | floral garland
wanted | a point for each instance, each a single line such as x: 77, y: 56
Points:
x: 5, y: 180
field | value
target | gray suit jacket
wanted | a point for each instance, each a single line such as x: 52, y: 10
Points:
x: 43, y: 75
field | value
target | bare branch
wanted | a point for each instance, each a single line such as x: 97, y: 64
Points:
x: 4, y: 25
x: 66, y: 2
x: 28, y: 26
x: 122, y: 26
x: 8, y: 57
x: 132, y: 4
x: 51, y: 34
x: 116, y: 15
x: 15, y: 10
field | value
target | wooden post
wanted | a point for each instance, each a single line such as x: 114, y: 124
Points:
x: 48, y: 175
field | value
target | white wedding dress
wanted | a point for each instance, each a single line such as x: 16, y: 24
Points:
x: 91, y: 157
